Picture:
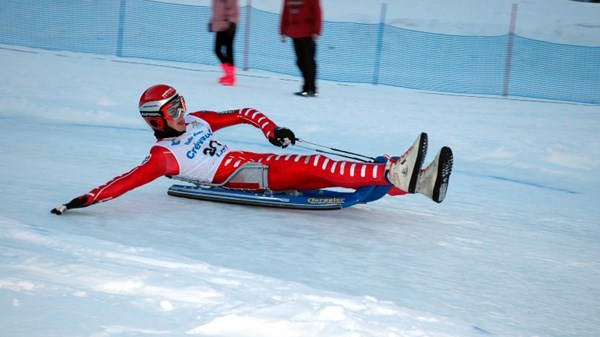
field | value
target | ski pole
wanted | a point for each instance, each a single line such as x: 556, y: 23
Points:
x: 345, y: 155
x: 332, y: 153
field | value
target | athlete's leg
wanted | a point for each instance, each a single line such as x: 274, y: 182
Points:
x: 301, y: 172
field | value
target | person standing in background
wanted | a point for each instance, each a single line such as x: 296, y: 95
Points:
x: 301, y: 20
x: 223, y: 22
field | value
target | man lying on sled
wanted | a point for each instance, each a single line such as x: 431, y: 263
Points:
x: 187, y: 148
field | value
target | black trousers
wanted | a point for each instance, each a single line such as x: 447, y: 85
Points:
x: 224, y: 45
x: 306, y: 50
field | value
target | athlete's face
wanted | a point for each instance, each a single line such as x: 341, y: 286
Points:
x: 177, y: 123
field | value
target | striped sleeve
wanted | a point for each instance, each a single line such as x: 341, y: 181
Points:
x: 254, y: 117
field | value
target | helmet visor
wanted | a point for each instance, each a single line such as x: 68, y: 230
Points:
x: 175, y: 108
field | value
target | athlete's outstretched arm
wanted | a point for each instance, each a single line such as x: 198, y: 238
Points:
x: 254, y: 117
x: 222, y: 119
x: 157, y: 164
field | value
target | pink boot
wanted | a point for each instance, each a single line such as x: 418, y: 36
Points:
x: 229, y: 78
x: 224, y: 66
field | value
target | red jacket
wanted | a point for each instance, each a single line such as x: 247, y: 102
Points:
x: 300, y: 18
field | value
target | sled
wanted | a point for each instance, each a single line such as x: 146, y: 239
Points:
x: 318, y: 199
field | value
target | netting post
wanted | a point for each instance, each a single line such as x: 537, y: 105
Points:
x: 122, y: 7
x: 509, y: 50
x: 379, y: 44
x: 247, y: 33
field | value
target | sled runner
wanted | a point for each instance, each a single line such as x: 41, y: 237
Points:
x: 321, y: 199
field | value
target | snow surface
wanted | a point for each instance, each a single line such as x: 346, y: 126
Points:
x: 512, y: 251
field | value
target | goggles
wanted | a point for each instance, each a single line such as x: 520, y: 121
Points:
x: 174, y: 108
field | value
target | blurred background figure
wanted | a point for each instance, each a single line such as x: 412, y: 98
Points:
x: 223, y: 22
x: 301, y: 20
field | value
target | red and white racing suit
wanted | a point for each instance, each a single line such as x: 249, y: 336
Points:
x: 198, y: 154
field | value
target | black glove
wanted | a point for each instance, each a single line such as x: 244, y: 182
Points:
x: 75, y: 203
x: 283, y: 137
